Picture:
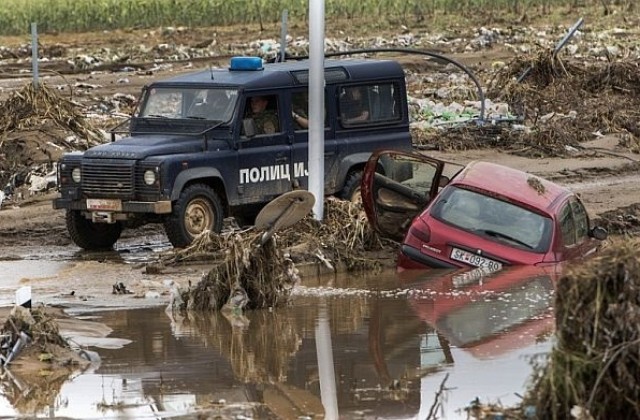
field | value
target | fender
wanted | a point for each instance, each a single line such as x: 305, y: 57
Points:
x: 195, y: 173
x: 356, y: 159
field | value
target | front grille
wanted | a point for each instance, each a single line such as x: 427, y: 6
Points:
x: 108, y: 178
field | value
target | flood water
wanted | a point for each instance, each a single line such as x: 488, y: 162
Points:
x: 349, y: 347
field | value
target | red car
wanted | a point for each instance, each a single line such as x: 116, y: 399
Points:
x: 479, y: 215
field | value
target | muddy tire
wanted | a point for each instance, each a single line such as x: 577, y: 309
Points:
x: 91, y: 236
x: 351, y: 189
x: 197, y: 209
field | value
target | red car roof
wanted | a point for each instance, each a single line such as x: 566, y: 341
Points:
x: 517, y: 185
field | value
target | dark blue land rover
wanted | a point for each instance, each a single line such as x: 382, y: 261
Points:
x: 223, y: 142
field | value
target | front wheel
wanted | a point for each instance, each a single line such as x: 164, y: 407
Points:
x: 198, y: 209
x: 91, y: 236
x: 351, y: 189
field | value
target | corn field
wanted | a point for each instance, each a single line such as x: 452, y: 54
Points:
x: 91, y: 15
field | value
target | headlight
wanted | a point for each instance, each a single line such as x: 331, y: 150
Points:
x: 149, y: 177
x: 76, y: 175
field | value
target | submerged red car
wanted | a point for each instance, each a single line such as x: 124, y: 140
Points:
x: 478, y: 215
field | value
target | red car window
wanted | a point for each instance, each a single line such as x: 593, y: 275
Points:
x: 567, y: 227
x: 494, y: 219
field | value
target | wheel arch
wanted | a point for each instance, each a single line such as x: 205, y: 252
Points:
x: 206, y: 176
x: 351, y: 163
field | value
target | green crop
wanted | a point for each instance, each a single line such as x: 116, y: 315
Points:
x: 91, y: 15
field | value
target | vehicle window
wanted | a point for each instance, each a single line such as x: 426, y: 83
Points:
x: 415, y: 174
x: 261, y: 113
x: 567, y: 228
x: 580, y: 219
x: 213, y: 104
x: 300, y: 111
x: 369, y: 104
x: 165, y: 103
x: 178, y: 103
x: 493, y: 219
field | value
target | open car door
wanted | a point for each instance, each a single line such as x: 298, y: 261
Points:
x: 396, y: 187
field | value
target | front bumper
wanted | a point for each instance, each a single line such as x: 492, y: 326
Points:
x: 155, y: 207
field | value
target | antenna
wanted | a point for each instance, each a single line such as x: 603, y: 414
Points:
x: 211, y: 71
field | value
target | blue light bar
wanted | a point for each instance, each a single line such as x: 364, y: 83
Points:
x: 246, y: 63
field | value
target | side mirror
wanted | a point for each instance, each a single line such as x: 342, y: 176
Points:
x: 599, y: 233
x: 249, y: 127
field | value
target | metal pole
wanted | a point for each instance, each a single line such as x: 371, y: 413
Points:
x: 283, y: 35
x: 316, y: 105
x: 34, y: 53
x: 557, y: 48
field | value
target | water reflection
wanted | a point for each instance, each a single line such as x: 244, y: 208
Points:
x: 380, y: 347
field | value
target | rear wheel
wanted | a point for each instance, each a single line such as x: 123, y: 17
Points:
x: 351, y: 189
x: 91, y: 236
x: 198, y: 209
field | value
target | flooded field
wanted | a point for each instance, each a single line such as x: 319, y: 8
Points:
x: 376, y: 346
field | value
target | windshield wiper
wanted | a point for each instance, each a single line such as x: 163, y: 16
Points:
x: 156, y: 116
x: 195, y: 117
x: 496, y: 234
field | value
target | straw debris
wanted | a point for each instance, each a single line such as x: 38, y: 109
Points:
x: 41, y: 328
x: 254, y: 275
x: 36, y: 126
x: 27, y: 108
x: 594, y: 367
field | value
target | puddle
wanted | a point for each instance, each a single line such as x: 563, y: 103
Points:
x: 13, y: 272
x: 380, y: 348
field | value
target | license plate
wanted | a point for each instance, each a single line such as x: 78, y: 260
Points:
x: 103, y: 204
x: 474, y: 259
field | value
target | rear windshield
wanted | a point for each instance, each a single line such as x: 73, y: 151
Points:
x: 494, y: 219
x: 189, y: 103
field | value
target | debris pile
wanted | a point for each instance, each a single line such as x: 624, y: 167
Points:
x: 252, y: 276
x: 36, y: 126
x: 36, y: 360
x: 548, y: 100
x: 621, y: 221
x: 24, y: 328
x: 594, y: 370
x: 344, y: 237
x: 253, y: 273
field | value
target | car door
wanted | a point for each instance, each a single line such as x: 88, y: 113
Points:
x: 396, y: 187
x: 264, y: 158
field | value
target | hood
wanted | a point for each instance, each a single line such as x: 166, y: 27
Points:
x: 141, y: 147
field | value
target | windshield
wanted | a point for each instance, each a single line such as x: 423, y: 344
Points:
x: 189, y: 103
x: 494, y: 219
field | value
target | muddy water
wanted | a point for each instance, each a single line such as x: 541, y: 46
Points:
x: 349, y: 347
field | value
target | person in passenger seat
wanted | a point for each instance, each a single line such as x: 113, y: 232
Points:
x: 353, y: 107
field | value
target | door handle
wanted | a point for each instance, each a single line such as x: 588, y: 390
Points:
x: 282, y: 159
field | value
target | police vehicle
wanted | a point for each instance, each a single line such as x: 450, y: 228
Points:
x: 195, y: 151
